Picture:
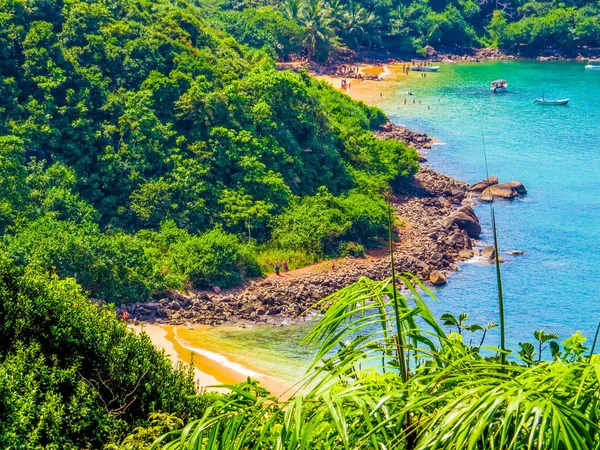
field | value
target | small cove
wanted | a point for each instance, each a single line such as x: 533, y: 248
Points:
x: 554, y: 151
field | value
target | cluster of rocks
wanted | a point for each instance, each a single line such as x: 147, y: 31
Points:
x: 489, y: 189
x: 418, y: 141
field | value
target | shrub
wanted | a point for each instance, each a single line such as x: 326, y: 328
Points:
x: 214, y: 258
x: 71, y: 375
x: 352, y: 249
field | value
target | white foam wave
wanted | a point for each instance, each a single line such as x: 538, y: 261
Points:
x: 220, y: 359
x: 386, y: 72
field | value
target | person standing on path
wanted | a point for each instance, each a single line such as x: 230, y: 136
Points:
x: 285, y: 266
x: 277, y: 268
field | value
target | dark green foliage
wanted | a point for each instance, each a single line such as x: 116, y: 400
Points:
x: 116, y: 118
x: 71, y: 376
x: 320, y: 224
x: 265, y: 26
x: 409, y: 25
x: 112, y: 266
x: 214, y: 258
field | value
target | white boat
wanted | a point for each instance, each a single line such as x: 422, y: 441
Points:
x: 424, y: 68
x: 592, y: 67
x: 543, y: 101
x: 499, y: 86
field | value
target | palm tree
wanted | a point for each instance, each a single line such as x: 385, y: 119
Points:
x: 292, y: 9
x: 361, y: 26
x: 320, y: 32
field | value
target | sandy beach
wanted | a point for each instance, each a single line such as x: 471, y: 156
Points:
x: 211, y: 369
x: 368, y: 91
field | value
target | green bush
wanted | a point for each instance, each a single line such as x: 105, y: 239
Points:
x: 214, y: 258
x: 112, y: 266
x: 352, y: 249
x: 71, y: 375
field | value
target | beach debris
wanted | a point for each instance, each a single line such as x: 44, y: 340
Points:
x: 437, y: 278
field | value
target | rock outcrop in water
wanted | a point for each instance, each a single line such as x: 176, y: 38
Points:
x: 489, y: 189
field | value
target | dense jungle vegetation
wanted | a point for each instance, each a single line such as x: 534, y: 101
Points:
x: 147, y: 146
x: 143, y: 150
x: 320, y: 26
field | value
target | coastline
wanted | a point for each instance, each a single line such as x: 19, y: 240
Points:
x: 430, y: 244
x: 210, y: 369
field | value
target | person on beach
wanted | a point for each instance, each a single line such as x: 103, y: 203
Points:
x: 428, y: 107
x: 333, y: 265
x: 125, y: 316
x: 277, y: 268
x: 405, y: 101
x: 380, y: 94
x: 285, y: 266
x: 414, y: 100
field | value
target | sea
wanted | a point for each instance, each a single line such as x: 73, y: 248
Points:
x: 553, y: 150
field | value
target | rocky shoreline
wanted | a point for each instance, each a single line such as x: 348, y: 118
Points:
x: 438, y: 229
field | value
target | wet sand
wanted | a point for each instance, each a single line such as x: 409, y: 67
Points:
x: 211, y: 369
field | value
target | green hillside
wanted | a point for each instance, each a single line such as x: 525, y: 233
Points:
x: 143, y: 149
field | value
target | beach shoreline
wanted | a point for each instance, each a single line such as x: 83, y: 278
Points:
x: 429, y: 243
x: 211, y: 369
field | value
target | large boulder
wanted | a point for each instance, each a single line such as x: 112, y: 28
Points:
x: 499, y: 191
x: 459, y: 240
x: 466, y: 219
x: 489, y: 253
x: 437, y: 278
x: 484, y: 184
x: 518, y: 186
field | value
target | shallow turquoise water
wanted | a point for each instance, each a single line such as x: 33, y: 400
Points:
x: 554, y: 151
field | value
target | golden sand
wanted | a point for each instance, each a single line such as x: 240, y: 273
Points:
x: 210, y: 369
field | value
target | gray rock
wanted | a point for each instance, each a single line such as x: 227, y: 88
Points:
x: 484, y: 184
x: 466, y: 219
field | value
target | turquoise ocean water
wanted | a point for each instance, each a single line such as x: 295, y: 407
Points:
x: 554, y: 151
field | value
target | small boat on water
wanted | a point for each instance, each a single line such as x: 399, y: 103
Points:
x: 499, y: 86
x: 424, y: 68
x: 544, y: 101
x: 592, y: 67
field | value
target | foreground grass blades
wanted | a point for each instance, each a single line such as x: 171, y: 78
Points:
x: 455, y: 397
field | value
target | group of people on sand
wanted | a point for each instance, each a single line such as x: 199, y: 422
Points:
x: 278, y: 267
